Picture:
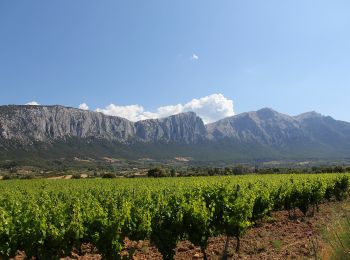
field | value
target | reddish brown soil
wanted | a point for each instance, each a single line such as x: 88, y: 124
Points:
x: 277, y: 238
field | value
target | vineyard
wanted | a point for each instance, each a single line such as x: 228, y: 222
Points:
x: 47, y: 218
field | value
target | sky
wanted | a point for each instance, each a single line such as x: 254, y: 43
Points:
x: 147, y: 59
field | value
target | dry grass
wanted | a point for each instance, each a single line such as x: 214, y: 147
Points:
x: 337, y: 235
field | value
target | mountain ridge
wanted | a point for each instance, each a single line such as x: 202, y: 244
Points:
x: 252, y: 135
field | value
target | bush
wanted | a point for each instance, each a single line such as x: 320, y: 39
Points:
x: 108, y: 175
x: 156, y: 173
x: 76, y: 176
x: 238, y: 170
x: 172, y: 173
x: 6, y: 177
x: 341, y: 188
x: 27, y: 177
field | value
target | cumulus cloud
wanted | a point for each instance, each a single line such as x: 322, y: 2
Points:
x: 210, y: 108
x: 32, y: 103
x: 83, y: 106
x: 131, y: 112
x: 194, y: 57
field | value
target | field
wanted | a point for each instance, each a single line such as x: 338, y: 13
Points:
x: 48, y: 218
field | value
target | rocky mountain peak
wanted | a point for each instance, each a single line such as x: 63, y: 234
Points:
x: 267, y: 113
x: 308, y: 115
x: 185, y: 127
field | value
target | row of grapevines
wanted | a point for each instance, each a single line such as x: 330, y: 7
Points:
x: 46, y: 219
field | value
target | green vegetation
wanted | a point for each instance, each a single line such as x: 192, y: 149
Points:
x: 276, y: 244
x: 157, y: 173
x: 337, y: 235
x: 47, y: 218
x: 110, y: 166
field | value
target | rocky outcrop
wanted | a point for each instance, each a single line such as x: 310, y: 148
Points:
x: 265, y: 127
x: 29, y: 124
x: 185, y: 128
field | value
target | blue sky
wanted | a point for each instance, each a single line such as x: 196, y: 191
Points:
x: 293, y: 56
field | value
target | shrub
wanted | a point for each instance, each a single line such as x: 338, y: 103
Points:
x: 27, y: 177
x: 108, y: 175
x: 76, y: 176
x: 172, y: 173
x: 341, y: 188
x: 6, y: 177
x: 156, y: 173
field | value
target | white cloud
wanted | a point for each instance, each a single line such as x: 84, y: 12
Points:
x: 194, y: 57
x: 210, y: 108
x: 83, y: 106
x: 132, y: 112
x: 32, y: 103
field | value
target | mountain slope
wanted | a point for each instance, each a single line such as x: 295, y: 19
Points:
x: 29, y: 124
x: 56, y: 131
x: 185, y: 128
x: 308, y: 135
x: 325, y: 129
x: 264, y: 127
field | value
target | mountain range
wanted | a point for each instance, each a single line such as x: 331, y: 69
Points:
x: 57, y: 131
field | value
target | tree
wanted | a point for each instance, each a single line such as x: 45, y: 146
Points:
x: 173, y: 173
x: 238, y: 170
x: 156, y: 173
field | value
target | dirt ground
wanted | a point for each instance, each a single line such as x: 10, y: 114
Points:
x: 280, y: 237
